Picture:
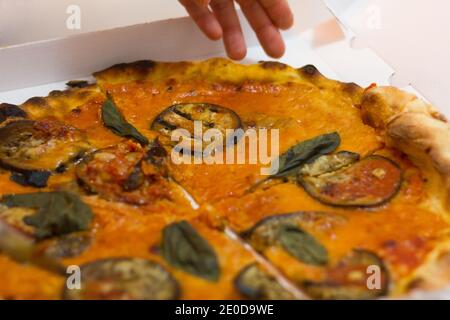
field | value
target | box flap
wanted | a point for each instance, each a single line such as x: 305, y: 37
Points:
x: 407, y: 34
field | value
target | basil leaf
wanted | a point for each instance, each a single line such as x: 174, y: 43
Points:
x: 114, y: 120
x: 57, y: 213
x: 296, y: 156
x: 303, y: 246
x: 184, y: 248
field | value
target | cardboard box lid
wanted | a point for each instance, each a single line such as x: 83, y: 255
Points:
x: 323, y: 44
x: 410, y: 35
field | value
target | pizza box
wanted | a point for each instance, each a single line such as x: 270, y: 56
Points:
x: 38, y: 67
x: 318, y: 38
x: 413, y: 44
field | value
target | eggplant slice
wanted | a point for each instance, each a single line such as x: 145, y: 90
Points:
x: 182, y: 116
x: 254, y: 283
x: 124, y: 279
x: 120, y: 173
x: 66, y: 246
x: 340, y: 180
x: 8, y: 111
x: 157, y: 156
x: 353, y: 277
x: 46, y: 145
x: 291, y: 233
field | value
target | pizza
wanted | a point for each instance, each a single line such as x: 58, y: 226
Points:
x: 94, y: 184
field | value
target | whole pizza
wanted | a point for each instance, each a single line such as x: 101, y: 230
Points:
x: 216, y: 180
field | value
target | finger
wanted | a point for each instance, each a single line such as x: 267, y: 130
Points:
x: 204, y: 18
x: 202, y: 3
x: 279, y: 12
x: 268, y: 35
x: 232, y: 32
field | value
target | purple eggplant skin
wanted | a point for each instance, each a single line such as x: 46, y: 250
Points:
x: 254, y: 283
x: 66, y: 246
x: 327, y: 180
x: 20, y: 149
x: 33, y: 178
x: 124, y: 279
x: 335, y: 288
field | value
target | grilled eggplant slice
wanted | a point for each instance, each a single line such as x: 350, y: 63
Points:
x: 23, y: 249
x: 36, y: 179
x: 329, y: 163
x: 120, y: 173
x: 66, y: 246
x: 370, y: 182
x: 291, y: 233
x: 11, y: 111
x: 46, y: 145
x: 253, y: 282
x: 353, y: 277
x: 124, y: 279
x: 156, y: 154
x: 182, y: 116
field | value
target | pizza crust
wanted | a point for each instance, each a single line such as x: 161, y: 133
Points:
x: 416, y: 128
x: 59, y: 103
x: 222, y: 71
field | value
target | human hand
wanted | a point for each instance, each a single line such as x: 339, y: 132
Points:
x: 218, y: 19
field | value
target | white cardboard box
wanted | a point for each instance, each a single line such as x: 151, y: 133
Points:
x: 36, y: 68
x: 416, y: 49
x: 411, y: 35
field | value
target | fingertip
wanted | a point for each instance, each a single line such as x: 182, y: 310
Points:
x: 235, y: 44
x: 276, y: 51
x: 272, y: 42
x: 236, y: 48
x: 237, y: 53
x: 287, y: 22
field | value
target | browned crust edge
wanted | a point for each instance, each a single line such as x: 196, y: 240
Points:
x: 416, y: 128
x: 419, y: 130
x: 222, y: 71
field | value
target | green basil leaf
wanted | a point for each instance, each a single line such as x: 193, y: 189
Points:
x: 298, y: 155
x: 57, y: 213
x: 114, y: 120
x: 303, y: 246
x: 184, y: 248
